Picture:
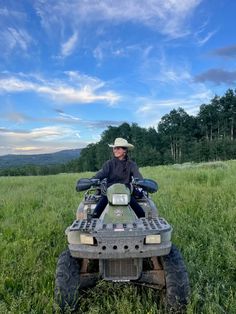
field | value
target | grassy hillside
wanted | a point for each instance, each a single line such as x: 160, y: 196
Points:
x: 199, y: 201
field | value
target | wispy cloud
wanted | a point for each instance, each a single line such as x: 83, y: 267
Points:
x: 169, y: 17
x: 69, y: 117
x: 85, y: 90
x: 50, y: 138
x: 201, y: 40
x: 5, y: 12
x: 98, y: 53
x: 202, y: 35
x: 13, y: 39
x: 16, y: 117
x: 61, y: 119
x: 44, y: 133
x: 39, y: 140
x: 151, y: 110
x: 161, y: 69
x: 174, y: 75
x: 14, y: 35
x: 117, y: 49
x: 68, y: 47
x: 72, y: 119
x: 63, y: 21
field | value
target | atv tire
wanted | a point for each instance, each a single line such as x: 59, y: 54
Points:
x: 177, y: 282
x: 67, y: 282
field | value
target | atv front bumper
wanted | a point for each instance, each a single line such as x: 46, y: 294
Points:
x: 118, y: 241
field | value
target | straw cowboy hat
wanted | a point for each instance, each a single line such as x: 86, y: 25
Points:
x: 121, y: 142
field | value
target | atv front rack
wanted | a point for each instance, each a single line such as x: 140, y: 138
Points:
x: 95, y: 225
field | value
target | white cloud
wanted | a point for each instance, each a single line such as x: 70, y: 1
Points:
x: 61, y: 119
x: 168, y: 73
x: 174, y: 75
x: 151, y: 110
x: 13, y: 84
x: 83, y: 89
x: 69, y: 116
x: 39, y: 140
x: 43, y: 133
x: 12, y: 38
x: 27, y: 149
x: 5, y: 12
x: 85, y: 80
x: 98, y: 53
x: 202, y: 35
x: 16, y: 117
x: 150, y: 106
x: 201, y: 40
x: 68, y: 47
x: 169, y: 17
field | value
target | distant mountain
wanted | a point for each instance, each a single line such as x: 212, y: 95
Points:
x: 61, y: 157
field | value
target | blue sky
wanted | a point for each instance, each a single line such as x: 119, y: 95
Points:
x: 68, y: 69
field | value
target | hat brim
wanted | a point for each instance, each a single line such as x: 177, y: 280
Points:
x: 129, y: 146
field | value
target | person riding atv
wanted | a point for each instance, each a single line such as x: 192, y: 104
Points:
x: 119, y: 169
x: 120, y: 238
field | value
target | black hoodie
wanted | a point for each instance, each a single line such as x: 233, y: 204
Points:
x: 118, y: 171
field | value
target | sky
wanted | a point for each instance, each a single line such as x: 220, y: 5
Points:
x: 69, y: 69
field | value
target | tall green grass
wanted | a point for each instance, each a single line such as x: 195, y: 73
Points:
x: 198, y: 200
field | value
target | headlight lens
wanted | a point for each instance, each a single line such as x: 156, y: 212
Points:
x: 153, y: 239
x: 86, y: 239
x: 120, y: 199
x: 73, y: 237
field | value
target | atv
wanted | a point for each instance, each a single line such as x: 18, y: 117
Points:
x: 120, y: 247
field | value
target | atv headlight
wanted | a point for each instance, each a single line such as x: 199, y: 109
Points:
x: 153, y: 239
x: 73, y: 237
x: 120, y: 199
x: 86, y: 239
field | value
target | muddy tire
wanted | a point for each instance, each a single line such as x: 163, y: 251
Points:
x: 177, y: 282
x: 67, y: 282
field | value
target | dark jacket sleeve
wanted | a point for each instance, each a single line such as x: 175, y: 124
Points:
x: 103, y: 172
x: 135, y: 171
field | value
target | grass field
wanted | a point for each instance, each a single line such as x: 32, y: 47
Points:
x: 198, y: 200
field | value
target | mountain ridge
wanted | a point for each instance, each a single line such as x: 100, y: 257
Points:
x: 63, y: 156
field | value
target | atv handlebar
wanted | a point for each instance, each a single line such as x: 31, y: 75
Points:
x: 85, y: 184
x: 147, y: 185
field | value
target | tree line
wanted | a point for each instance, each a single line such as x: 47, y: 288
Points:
x: 178, y: 137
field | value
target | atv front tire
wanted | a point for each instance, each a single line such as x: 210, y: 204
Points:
x: 67, y: 282
x: 177, y: 282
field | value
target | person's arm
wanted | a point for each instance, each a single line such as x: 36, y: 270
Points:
x: 103, y: 172
x: 135, y: 171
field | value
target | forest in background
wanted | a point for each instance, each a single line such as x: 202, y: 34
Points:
x: 178, y: 138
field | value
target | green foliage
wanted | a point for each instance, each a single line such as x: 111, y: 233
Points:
x: 197, y: 199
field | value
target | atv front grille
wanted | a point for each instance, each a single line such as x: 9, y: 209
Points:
x: 122, y: 269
